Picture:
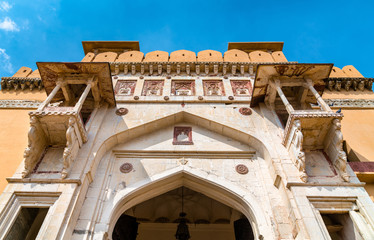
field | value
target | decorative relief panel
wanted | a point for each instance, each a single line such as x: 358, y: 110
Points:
x: 182, y: 88
x: 182, y: 136
x: 126, y: 88
x: 213, y: 88
x: 241, y: 88
x: 153, y: 88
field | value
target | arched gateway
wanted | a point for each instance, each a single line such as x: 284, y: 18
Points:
x: 136, y: 173
x: 229, y: 195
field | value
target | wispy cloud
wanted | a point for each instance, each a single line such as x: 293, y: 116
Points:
x: 8, y: 25
x: 5, y: 6
x: 5, y: 63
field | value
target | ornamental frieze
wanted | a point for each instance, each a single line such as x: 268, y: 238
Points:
x: 27, y: 104
x: 350, y: 103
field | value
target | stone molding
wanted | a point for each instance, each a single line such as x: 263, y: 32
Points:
x: 350, y: 103
x: 25, y: 104
x: 21, y: 83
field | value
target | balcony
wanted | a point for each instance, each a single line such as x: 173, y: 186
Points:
x: 290, y: 90
x: 74, y: 91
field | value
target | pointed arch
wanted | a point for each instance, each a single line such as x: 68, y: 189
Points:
x: 196, y: 180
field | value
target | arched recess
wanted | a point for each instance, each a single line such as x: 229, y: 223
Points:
x: 199, y: 181
x: 224, y: 191
x: 261, y: 146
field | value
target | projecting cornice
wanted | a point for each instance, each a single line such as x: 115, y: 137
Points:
x: 21, y: 83
x: 349, y: 83
x: 188, y: 67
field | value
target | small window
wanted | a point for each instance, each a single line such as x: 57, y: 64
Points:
x: 27, y: 224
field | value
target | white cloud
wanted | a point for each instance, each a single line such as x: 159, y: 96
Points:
x: 5, y: 6
x: 8, y: 25
x: 5, y: 63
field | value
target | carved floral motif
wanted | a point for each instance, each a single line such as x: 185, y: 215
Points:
x: 182, y: 136
x: 241, y: 169
x: 213, y: 88
x: 126, y: 88
x: 241, y: 88
x: 126, y: 168
x: 122, y: 111
x: 245, y: 111
x: 183, y: 88
x: 153, y: 88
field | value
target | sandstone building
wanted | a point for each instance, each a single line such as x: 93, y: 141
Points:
x: 246, y: 144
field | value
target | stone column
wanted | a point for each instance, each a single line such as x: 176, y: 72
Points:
x: 278, y: 87
x: 324, y: 106
x: 50, y: 97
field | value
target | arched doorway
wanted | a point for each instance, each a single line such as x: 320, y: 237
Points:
x: 230, y: 196
x: 160, y: 217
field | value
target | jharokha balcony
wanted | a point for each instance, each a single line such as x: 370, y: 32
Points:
x: 291, y: 91
x: 57, y: 131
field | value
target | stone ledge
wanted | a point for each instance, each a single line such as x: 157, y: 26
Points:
x: 24, y: 104
x: 36, y: 180
x: 350, y: 103
x: 343, y: 184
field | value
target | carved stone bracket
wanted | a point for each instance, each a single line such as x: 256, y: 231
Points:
x: 21, y: 83
x: 349, y: 84
x: 295, y: 148
x: 35, y: 147
x: 334, y: 148
x: 72, y: 146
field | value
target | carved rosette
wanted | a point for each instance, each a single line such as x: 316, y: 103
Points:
x: 122, y: 111
x: 241, y: 169
x: 245, y: 111
x: 126, y: 168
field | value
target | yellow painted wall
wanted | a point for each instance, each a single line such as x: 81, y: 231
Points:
x: 14, y: 125
x: 23, y: 95
x: 358, y: 131
x: 370, y: 189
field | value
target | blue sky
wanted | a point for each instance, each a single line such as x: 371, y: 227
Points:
x: 339, y: 32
